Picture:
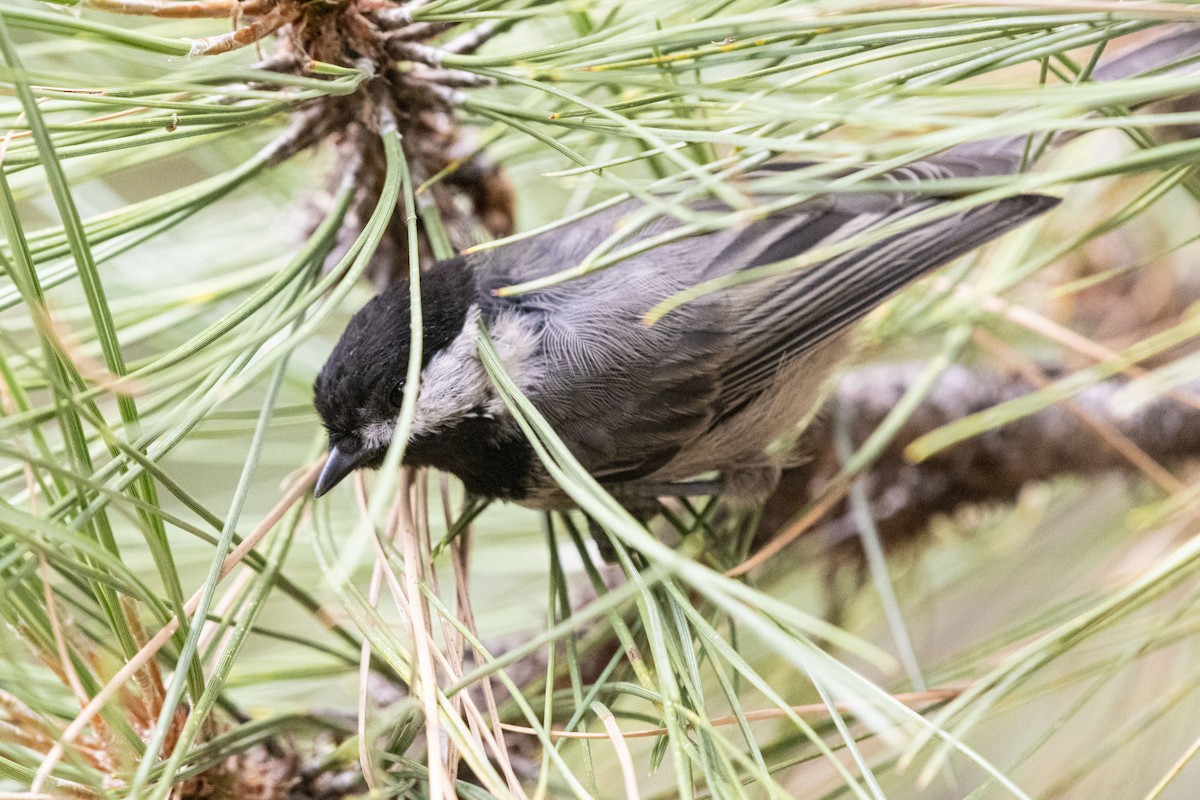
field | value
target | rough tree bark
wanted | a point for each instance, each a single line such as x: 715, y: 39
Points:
x: 988, y: 468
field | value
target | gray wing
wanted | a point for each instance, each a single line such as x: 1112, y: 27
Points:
x: 623, y: 396
x: 627, y: 397
x: 781, y: 318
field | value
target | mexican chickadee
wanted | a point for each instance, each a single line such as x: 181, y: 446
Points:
x: 709, y: 387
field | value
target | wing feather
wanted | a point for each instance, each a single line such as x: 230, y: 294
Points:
x: 794, y: 314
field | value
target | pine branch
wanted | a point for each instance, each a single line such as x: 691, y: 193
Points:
x: 992, y: 467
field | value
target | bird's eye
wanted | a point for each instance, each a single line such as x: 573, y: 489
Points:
x: 398, y: 394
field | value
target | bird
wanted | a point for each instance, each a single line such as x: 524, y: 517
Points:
x: 710, y: 388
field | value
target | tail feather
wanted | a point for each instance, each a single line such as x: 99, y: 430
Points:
x: 1002, y: 155
x: 1171, y: 53
x: 799, y: 313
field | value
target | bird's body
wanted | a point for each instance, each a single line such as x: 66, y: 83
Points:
x: 712, y: 386
x: 709, y: 387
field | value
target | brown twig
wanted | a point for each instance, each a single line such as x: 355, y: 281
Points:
x: 776, y: 542
x: 202, y: 9
x: 257, y: 30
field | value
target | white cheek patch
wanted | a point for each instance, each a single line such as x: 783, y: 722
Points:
x: 517, y: 343
x: 452, y: 383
